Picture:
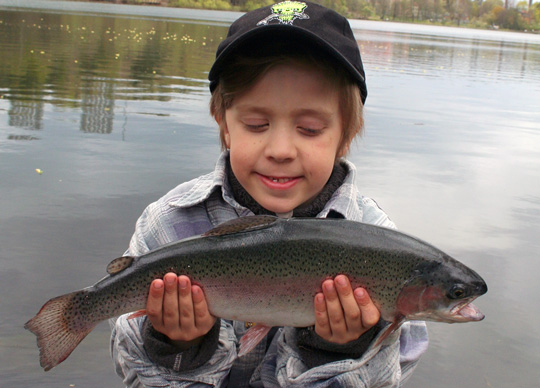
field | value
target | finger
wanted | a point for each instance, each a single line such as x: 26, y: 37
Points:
x: 202, y: 316
x: 185, y: 303
x: 154, y: 303
x: 170, y: 301
x: 322, y: 324
x: 335, y: 311
x: 370, y: 315
x: 349, y: 304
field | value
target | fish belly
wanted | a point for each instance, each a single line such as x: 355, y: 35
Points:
x: 277, y: 303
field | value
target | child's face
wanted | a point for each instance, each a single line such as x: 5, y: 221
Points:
x: 283, y: 135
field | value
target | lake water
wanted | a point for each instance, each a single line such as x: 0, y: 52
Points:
x: 110, y: 104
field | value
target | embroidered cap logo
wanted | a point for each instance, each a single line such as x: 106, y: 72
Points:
x: 286, y: 12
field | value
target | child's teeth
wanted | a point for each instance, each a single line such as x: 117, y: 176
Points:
x: 280, y: 180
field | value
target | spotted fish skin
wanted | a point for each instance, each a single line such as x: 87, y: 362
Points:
x: 267, y: 270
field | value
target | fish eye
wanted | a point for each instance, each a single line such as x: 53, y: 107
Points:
x: 457, y: 292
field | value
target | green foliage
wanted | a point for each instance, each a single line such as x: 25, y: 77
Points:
x: 510, y: 19
x: 254, y: 4
x: 202, y: 4
x: 472, y: 13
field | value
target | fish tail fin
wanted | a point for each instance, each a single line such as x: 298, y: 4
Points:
x: 59, y: 328
x: 251, y: 338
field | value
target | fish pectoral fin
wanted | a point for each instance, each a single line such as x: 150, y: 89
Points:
x: 119, y: 264
x: 389, y: 329
x: 137, y: 314
x: 242, y: 224
x: 251, y: 338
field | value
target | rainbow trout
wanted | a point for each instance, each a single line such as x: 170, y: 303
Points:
x: 267, y: 270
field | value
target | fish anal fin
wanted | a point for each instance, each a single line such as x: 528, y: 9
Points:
x: 389, y: 329
x: 242, y: 224
x: 119, y: 264
x: 251, y: 338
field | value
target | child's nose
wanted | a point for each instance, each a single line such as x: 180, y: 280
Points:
x: 280, y: 145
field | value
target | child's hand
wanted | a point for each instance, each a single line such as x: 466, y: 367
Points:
x: 178, y: 309
x: 342, y: 315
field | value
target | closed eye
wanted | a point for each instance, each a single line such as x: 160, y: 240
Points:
x: 256, y: 128
x: 310, y: 131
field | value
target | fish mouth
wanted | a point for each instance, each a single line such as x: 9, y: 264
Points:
x: 465, y: 311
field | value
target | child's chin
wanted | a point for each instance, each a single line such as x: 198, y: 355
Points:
x: 280, y: 209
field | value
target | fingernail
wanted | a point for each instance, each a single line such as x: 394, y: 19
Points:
x: 183, y: 284
x: 169, y: 279
x: 158, y: 285
x: 329, y: 286
x: 359, y: 293
x: 340, y: 280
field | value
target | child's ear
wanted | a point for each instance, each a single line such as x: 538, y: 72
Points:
x: 218, y: 120
x: 222, y: 123
x: 344, y: 150
x: 227, y: 138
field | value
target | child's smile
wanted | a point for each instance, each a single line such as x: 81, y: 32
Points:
x: 283, y: 135
x: 279, y: 183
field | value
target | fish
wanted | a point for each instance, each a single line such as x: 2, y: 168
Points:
x: 267, y: 270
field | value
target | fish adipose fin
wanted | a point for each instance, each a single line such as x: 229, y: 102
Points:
x: 251, y: 338
x: 119, y: 264
x: 56, y: 330
x: 242, y: 224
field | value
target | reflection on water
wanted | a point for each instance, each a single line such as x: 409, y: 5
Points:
x: 89, y: 62
x: 113, y: 112
x: 432, y: 57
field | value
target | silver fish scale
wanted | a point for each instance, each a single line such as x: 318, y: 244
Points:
x: 280, y: 253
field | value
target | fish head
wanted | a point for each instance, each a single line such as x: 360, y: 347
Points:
x: 442, y: 292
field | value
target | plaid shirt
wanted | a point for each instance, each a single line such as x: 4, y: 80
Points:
x: 195, y: 207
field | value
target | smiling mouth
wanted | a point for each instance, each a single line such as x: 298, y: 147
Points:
x: 280, y: 180
x: 279, y: 183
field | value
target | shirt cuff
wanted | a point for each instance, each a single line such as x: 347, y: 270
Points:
x: 316, y: 351
x: 167, y: 355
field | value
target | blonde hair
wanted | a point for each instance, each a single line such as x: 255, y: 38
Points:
x: 245, y: 69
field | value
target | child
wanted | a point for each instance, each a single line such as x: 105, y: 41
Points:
x: 288, y: 88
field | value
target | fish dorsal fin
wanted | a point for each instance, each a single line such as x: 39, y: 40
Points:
x: 119, y: 264
x: 242, y: 224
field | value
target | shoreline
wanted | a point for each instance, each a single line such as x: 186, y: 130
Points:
x: 225, y: 18
x: 165, y: 4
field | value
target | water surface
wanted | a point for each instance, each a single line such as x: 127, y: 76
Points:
x: 110, y: 104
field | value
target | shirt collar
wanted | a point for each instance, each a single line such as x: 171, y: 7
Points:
x: 344, y: 200
x: 205, y: 185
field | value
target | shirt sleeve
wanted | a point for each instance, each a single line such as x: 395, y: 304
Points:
x: 133, y: 364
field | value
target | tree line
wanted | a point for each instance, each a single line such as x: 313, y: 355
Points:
x: 523, y: 15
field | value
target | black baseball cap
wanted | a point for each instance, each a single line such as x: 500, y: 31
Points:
x: 299, y: 21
